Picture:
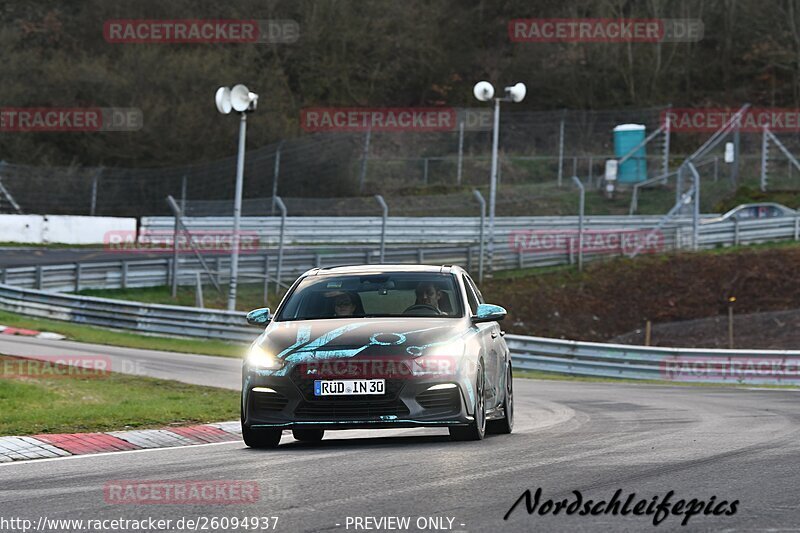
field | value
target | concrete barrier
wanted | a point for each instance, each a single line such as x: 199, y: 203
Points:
x: 61, y: 229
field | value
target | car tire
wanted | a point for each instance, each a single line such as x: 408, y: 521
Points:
x: 308, y: 434
x: 477, y: 428
x: 505, y: 425
x: 262, y: 437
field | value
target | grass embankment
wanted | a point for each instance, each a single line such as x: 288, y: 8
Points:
x: 248, y: 296
x: 614, y: 297
x: 38, y: 402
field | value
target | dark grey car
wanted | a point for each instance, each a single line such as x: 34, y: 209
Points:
x: 378, y: 347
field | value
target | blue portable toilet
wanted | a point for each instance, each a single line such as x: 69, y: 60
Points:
x: 626, y: 138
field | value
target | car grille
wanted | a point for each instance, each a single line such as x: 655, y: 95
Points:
x: 351, y: 410
x: 269, y: 401
x: 440, y: 400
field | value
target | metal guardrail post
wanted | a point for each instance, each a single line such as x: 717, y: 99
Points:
x: 581, y: 209
x: 266, y: 278
x: 198, y: 291
x: 173, y: 276
x: 736, y: 232
x: 95, y: 178
x: 183, y: 193
x: 478, y: 196
x: 364, y: 158
x: 39, y: 276
x: 275, y: 172
x: 667, y: 132
x: 282, y: 208
x: 460, y: 152
x: 78, y: 268
x: 764, y: 150
x: 384, y: 218
x: 736, y: 153
x: 179, y: 221
x: 695, y: 207
x: 123, y: 274
x: 561, y: 149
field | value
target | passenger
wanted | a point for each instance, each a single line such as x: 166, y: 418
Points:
x: 344, y: 305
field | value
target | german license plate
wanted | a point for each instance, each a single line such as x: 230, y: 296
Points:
x: 348, y: 387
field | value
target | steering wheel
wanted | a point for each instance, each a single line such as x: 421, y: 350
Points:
x: 423, y: 307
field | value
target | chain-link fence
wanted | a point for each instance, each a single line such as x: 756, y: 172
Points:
x: 338, y: 173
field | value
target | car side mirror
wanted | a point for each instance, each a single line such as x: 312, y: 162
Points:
x: 259, y: 317
x: 489, y: 313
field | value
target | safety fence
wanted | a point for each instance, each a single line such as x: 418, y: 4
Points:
x: 776, y: 367
x: 690, y: 365
x: 445, y: 231
x: 121, y: 314
x: 527, y: 248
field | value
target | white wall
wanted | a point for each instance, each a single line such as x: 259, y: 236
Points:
x: 61, y: 229
x: 21, y: 228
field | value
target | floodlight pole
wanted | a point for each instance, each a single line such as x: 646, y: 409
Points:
x: 237, y: 212
x: 493, y: 181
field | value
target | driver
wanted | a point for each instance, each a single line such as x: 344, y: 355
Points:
x: 427, y: 295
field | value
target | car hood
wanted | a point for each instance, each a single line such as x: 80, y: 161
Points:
x: 361, y: 337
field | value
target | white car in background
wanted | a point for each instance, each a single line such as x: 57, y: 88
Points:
x: 752, y: 212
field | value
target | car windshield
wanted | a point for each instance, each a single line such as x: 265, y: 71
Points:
x: 392, y: 294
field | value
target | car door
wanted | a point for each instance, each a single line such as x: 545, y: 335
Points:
x: 494, y: 359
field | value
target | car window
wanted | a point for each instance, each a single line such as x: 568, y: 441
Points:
x: 476, y: 289
x: 746, y: 213
x: 402, y: 294
x: 472, y: 299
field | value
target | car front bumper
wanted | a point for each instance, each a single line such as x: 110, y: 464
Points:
x: 270, y: 401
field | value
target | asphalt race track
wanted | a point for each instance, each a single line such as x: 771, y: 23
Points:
x: 570, y: 436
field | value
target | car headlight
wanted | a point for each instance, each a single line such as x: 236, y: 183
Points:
x: 439, y: 360
x: 259, y: 358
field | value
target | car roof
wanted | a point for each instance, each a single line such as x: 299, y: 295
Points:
x: 376, y: 269
x: 761, y: 204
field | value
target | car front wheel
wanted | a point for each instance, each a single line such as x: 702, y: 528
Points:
x: 506, y: 424
x: 477, y: 429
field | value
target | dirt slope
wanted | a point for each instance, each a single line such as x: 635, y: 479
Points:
x: 617, y: 297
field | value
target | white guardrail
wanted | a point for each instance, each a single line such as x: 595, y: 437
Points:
x: 531, y: 353
x: 528, y: 353
x: 414, y: 231
x: 691, y: 365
